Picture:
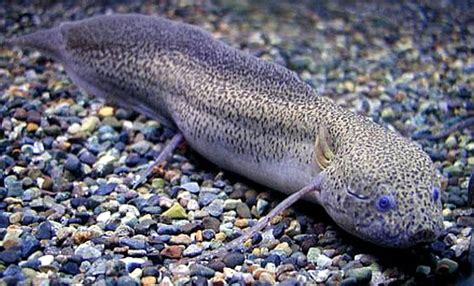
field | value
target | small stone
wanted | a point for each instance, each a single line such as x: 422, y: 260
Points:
x: 126, y: 281
x: 132, y: 263
x: 105, y: 189
x: 29, y: 244
x: 70, y: 267
x: 191, y: 187
x: 73, y: 164
x: 230, y: 204
x: 233, y: 259
x: 10, y: 256
x: 158, y: 183
x: 89, y: 124
x: 211, y: 223
x: 32, y: 127
x: 46, y: 260
x: 215, y: 209
x: 133, y: 243
x: 192, y: 250
x: 82, y: 236
x: 141, y: 147
x: 323, y: 261
x: 284, y: 247
x: 167, y: 229
x: 451, y: 141
x: 243, y: 210
x: 181, y: 239
x: 173, y: 251
x: 294, y: 228
x: 362, y: 275
x: 387, y: 113
x: 87, y: 252
x: 266, y: 277
x: 106, y: 111
x: 201, y: 270
x: 175, y: 212
x: 148, y: 281
x: 446, y: 266
x: 423, y: 271
x: 88, y: 158
x: 104, y: 217
x: 320, y: 276
x: 351, y: 281
x: 313, y: 254
x: 44, y: 230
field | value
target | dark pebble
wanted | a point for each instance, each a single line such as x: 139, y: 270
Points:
x: 201, y: 270
x: 4, y: 220
x: 70, y: 267
x: 133, y: 243
x: 167, y: 229
x: 278, y: 230
x: 199, y: 281
x: 34, y: 116
x: 29, y: 244
x: 87, y: 202
x: 145, y: 226
x: 191, y: 227
x: 272, y: 258
x: 45, y: 230
x: 243, y: 211
x: 126, y: 281
x: 208, y: 234
x: 105, y: 189
x: 256, y: 238
x: 211, y: 223
x: 132, y: 159
x: 73, y: 164
x: 233, y: 259
x: 351, y: 281
x: 20, y: 114
x: 32, y: 263
x: 10, y: 255
x: 216, y: 265
x: 88, y: 158
x: 151, y: 271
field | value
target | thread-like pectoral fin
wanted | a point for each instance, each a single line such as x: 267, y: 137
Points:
x: 323, y: 151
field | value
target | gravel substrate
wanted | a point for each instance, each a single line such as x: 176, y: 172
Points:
x: 68, y: 213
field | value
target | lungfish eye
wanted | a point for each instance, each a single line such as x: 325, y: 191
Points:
x: 384, y: 203
x: 435, y: 194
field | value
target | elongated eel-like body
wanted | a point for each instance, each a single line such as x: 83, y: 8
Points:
x: 256, y: 119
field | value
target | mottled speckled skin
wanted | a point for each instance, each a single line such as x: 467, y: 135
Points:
x: 252, y: 117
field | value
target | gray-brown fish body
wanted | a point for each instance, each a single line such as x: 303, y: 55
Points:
x: 254, y: 118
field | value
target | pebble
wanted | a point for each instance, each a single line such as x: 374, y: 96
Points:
x: 106, y: 111
x: 192, y: 250
x: 45, y: 230
x: 191, y: 187
x: 313, y: 254
x: 233, y: 259
x: 362, y: 275
x: 201, y: 270
x: 173, y: 251
x: 175, y: 212
x: 446, y: 265
x: 323, y: 261
x: 87, y: 252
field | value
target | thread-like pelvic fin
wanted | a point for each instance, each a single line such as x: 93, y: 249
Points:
x: 323, y: 153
